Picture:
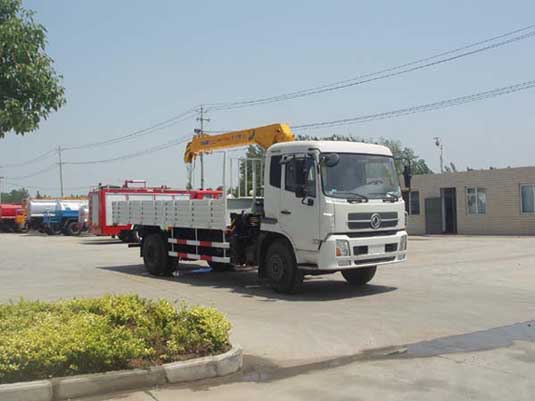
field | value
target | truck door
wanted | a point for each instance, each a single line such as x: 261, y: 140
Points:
x: 299, y: 213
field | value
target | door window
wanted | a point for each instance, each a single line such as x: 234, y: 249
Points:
x: 301, y: 172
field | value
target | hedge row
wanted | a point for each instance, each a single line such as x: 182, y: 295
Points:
x: 40, y: 340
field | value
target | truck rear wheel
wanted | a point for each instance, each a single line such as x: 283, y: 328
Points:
x: 73, y: 228
x: 156, y: 257
x: 359, y: 276
x: 281, y: 268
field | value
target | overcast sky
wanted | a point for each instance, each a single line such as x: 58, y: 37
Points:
x: 130, y: 64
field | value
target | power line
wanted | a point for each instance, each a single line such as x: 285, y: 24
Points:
x: 35, y: 159
x: 526, y: 32
x: 138, y: 133
x: 44, y: 170
x: 154, y: 149
x: 421, y: 108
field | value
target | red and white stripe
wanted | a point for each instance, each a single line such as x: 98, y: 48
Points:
x: 206, y: 244
x: 194, y: 256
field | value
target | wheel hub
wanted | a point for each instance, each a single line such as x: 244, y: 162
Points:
x: 276, y: 267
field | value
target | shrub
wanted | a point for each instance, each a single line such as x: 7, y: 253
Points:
x: 40, y: 340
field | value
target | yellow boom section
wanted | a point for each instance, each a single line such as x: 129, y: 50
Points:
x: 262, y: 136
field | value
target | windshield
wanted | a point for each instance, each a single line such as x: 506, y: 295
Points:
x: 370, y: 176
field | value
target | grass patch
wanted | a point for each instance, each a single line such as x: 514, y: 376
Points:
x: 40, y: 340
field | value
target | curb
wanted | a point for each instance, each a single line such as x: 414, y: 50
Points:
x: 62, y: 388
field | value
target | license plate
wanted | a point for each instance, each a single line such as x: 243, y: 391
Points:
x: 376, y: 249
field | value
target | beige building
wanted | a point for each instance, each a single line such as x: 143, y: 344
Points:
x: 494, y: 202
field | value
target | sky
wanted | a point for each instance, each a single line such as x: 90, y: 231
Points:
x: 128, y: 65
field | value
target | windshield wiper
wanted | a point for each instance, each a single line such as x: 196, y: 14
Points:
x: 391, y: 196
x: 357, y: 197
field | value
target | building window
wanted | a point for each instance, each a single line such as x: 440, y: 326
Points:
x: 527, y: 198
x: 414, y: 198
x: 275, y: 171
x: 476, y: 199
x: 412, y: 202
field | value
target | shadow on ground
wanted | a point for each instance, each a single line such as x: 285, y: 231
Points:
x: 319, y: 288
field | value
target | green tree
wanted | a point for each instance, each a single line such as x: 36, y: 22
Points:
x: 29, y: 86
x: 15, y: 196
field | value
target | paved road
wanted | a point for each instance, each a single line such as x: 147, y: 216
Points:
x: 455, y: 322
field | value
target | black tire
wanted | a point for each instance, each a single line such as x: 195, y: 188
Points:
x: 156, y: 257
x: 53, y: 229
x: 73, y: 228
x: 219, y: 267
x: 281, y: 268
x: 23, y: 229
x: 359, y: 276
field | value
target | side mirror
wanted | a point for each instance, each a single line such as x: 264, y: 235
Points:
x: 300, y: 192
x: 330, y: 160
x: 407, y: 176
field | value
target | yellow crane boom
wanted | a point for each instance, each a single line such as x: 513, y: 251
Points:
x: 262, y: 136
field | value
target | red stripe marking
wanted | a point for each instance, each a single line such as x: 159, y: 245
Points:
x: 205, y: 243
x: 182, y: 255
x: 181, y: 241
x: 207, y: 258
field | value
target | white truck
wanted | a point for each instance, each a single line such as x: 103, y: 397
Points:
x: 327, y: 206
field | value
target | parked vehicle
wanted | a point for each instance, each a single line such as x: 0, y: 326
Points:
x: 101, y: 199
x: 64, y: 218
x: 328, y: 206
x: 8, y: 215
x: 36, y: 209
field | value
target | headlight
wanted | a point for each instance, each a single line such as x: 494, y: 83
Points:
x: 403, y: 243
x: 342, y: 247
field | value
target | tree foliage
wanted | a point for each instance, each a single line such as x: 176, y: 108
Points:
x: 29, y: 86
x: 15, y: 196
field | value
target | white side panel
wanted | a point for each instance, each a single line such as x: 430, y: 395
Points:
x: 95, y: 208
x: 198, y: 213
x: 110, y: 198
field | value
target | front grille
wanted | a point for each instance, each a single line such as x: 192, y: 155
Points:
x: 367, y: 216
x: 376, y: 260
x: 360, y: 221
x: 358, y: 225
x: 360, y: 250
x: 391, y: 247
x: 371, y: 233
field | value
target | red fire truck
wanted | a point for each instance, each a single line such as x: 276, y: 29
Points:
x: 102, y: 197
x: 8, y: 214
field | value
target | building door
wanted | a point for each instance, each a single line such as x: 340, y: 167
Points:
x: 449, y: 210
x: 433, y: 216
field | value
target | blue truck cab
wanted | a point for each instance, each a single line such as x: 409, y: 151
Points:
x: 64, y: 217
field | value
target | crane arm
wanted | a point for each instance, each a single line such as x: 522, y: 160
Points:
x: 262, y: 136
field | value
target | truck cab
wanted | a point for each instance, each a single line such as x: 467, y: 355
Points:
x: 338, y: 204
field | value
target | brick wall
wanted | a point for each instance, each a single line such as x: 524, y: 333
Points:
x: 503, y: 216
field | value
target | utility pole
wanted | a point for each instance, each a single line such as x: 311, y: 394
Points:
x: 200, y: 131
x: 438, y: 143
x: 60, y: 171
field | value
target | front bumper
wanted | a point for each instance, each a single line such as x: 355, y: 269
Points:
x: 364, y: 251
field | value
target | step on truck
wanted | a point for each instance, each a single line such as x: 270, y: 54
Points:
x: 327, y: 207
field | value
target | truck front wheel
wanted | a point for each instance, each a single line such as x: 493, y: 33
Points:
x: 281, y: 268
x: 73, y: 228
x: 359, y: 276
x: 155, y: 255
